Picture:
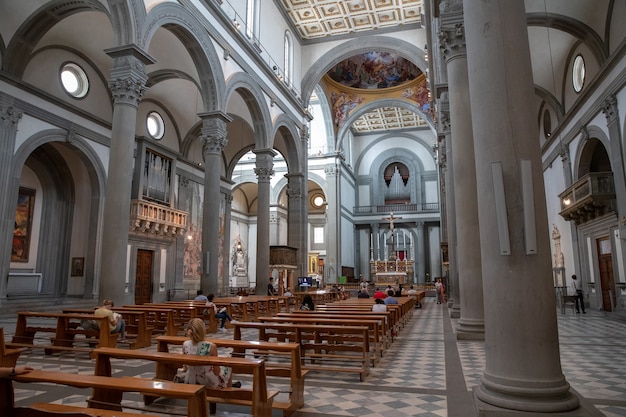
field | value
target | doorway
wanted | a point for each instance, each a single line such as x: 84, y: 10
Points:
x: 143, y: 276
x: 607, y: 281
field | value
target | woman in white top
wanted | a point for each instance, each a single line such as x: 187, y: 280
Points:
x: 209, y: 376
x: 379, y: 306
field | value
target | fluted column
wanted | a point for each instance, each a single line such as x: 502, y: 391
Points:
x: 214, y: 139
x: 333, y: 225
x: 297, y: 221
x: 10, y: 116
x: 522, y: 363
x: 471, y: 324
x: 453, y: 269
x: 264, y: 172
x: 127, y: 85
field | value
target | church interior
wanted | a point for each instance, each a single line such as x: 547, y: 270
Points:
x: 153, y: 148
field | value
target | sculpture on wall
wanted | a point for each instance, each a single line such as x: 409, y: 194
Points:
x: 240, y: 264
x: 559, y: 260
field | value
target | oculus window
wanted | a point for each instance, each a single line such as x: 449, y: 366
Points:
x: 155, y: 125
x: 578, y: 73
x: 74, y: 80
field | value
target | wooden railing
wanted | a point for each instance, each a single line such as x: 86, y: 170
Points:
x: 150, y: 218
x: 591, y: 196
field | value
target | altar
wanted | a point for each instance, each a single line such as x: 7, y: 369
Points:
x: 390, y: 278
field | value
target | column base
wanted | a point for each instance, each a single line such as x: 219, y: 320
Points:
x: 528, y: 402
x: 455, y: 311
x: 470, y: 330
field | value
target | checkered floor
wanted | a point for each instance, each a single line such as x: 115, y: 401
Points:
x: 409, y: 381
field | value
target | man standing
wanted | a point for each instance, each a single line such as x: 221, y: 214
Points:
x: 270, y: 287
x: 578, y: 295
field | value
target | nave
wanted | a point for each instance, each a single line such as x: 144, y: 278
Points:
x: 426, y: 372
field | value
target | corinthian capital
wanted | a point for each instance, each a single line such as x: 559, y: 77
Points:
x: 9, y: 116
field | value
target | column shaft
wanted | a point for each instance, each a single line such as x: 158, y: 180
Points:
x: 264, y: 172
x: 523, y: 369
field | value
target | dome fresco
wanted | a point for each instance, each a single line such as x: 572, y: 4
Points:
x: 374, y: 70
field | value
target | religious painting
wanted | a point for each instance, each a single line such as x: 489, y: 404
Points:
x: 374, y: 70
x: 313, y: 258
x: 23, y: 225
x: 78, y: 267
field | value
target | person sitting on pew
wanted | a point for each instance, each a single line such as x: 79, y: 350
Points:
x: 379, y: 294
x: 210, y: 376
x: 222, y: 313
x: 200, y: 296
x: 14, y: 370
x: 379, y: 306
x: 116, y: 322
x: 390, y: 298
x: 307, y: 303
x: 362, y: 294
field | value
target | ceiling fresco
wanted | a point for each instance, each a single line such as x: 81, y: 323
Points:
x: 374, y: 70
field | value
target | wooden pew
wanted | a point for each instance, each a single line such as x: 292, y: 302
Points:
x: 162, y: 320
x: 108, y: 391
x: 327, y: 348
x: 384, y: 318
x: 62, y: 410
x: 8, y: 357
x: 66, y: 327
x: 269, y: 351
x: 258, y: 398
x: 138, y: 333
x: 185, y: 311
x: 373, y: 324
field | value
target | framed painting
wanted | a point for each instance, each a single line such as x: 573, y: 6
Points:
x: 78, y: 267
x: 23, y: 225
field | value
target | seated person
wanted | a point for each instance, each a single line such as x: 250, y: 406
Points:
x: 390, y: 298
x: 221, y: 313
x: 116, y: 323
x: 363, y: 294
x: 379, y: 306
x: 200, y: 296
x: 288, y: 292
x: 307, y: 303
x: 209, y: 376
x: 379, y: 294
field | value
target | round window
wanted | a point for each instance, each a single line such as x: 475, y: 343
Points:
x: 578, y: 73
x: 155, y: 125
x: 74, y: 80
x: 317, y: 200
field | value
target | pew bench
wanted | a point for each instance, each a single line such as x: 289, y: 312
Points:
x: 62, y: 410
x: 257, y: 397
x: 162, y: 320
x: 282, y: 360
x: 107, y: 391
x: 138, y: 333
x: 8, y: 357
x: 373, y: 325
x: 61, y: 332
x: 328, y: 348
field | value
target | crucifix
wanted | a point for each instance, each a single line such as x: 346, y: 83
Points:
x: 391, y: 218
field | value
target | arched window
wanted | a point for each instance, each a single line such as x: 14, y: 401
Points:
x: 288, y: 64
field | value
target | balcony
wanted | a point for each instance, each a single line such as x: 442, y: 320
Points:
x: 590, y: 197
x: 153, y: 219
x: 397, y: 208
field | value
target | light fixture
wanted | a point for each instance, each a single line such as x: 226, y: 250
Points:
x: 567, y: 201
x: 236, y: 23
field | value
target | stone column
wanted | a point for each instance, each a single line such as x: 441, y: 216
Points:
x: 523, y: 370
x: 214, y: 139
x: 297, y: 221
x: 264, y: 171
x: 333, y: 225
x: 9, y: 119
x: 420, y: 255
x: 453, y: 270
x: 611, y: 112
x: 127, y: 84
x: 471, y: 324
x: 225, y: 283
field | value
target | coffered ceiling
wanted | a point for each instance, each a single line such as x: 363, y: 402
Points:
x: 322, y: 18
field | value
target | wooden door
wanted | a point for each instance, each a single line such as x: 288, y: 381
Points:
x: 607, y: 281
x: 143, y: 276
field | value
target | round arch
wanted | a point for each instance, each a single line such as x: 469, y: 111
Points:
x: 360, y: 45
